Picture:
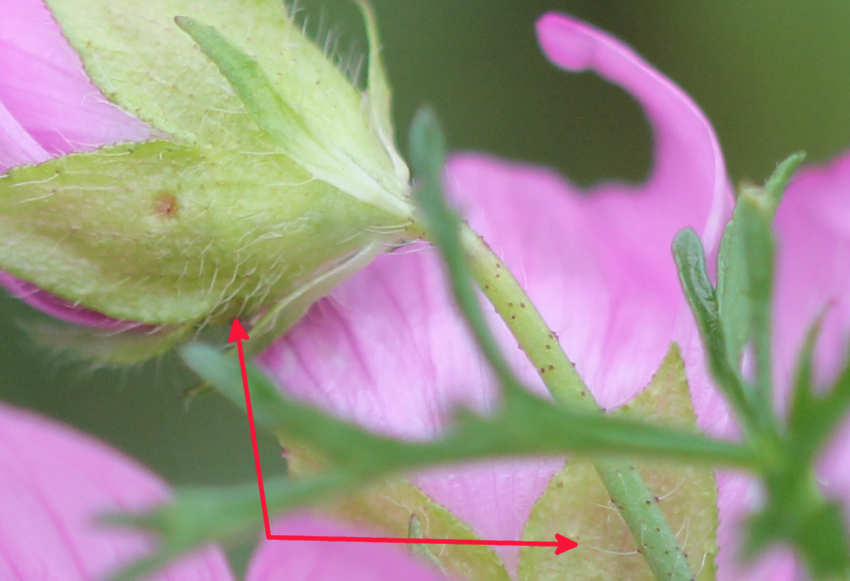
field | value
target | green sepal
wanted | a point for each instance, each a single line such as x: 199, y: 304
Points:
x: 282, y: 315
x: 140, y: 59
x: 379, y: 94
x: 270, y: 179
x: 288, y: 125
x: 576, y: 504
x: 103, y: 346
x: 165, y: 234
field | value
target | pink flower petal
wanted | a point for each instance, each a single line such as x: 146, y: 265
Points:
x: 54, y: 482
x: 388, y: 349
x: 322, y: 561
x: 49, y: 107
x: 17, y: 147
x: 689, y: 172
x: 46, y: 90
x: 813, y: 270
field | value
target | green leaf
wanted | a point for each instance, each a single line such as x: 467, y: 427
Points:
x: 813, y: 418
x: 338, y: 457
x: 732, y: 303
x: 797, y: 514
x: 823, y: 542
x: 802, y: 414
x: 690, y: 261
x: 527, y: 425
x: 210, y: 236
x: 388, y: 504
x: 198, y: 516
x: 759, y: 249
x: 732, y: 278
x: 774, y: 188
x: 577, y: 505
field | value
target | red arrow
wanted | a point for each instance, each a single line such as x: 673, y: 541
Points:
x: 237, y: 333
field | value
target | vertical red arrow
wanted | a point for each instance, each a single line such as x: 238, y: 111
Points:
x: 237, y: 333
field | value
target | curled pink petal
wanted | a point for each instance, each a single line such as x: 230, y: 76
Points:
x: 54, y: 483
x: 323, y: 561
x: 388, y: 350
x: 688, y: 172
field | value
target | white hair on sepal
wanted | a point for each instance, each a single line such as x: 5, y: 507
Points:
x: 347, y: 55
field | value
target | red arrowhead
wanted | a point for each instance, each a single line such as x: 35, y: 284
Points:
x: 564, y: 544
x: 237, y: 333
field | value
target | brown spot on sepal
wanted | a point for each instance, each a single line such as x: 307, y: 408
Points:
x: 165, y: 206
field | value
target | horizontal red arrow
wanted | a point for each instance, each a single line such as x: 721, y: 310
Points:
x: 563, y: 544
x: 237, y: 333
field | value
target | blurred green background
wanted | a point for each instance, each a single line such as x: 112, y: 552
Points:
x: 773, y: 77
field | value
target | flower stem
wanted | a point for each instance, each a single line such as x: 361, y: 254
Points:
x: 636, y: 504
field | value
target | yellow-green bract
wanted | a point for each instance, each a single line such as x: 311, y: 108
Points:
x: 272, y: 178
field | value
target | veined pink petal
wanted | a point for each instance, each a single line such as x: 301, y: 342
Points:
x: 321, y: 561
x: 388, y: 350
x: 54, y: 483
x: 45, y: 89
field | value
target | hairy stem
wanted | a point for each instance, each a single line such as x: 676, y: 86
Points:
x: 634, y: 501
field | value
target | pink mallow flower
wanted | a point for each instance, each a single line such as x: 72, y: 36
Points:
x: 388, y: 349
x: 55, y: 482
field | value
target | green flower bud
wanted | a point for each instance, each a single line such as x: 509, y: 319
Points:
x: 273, y: 177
